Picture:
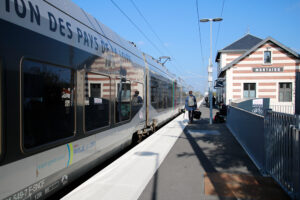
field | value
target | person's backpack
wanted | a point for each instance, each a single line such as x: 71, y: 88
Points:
x: 191, y: 101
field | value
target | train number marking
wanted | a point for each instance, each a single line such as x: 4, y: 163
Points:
x: 29, y: 191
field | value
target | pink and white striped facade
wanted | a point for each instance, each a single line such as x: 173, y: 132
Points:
x: 242, y: 67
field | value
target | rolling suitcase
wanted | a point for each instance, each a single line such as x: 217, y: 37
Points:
x: 197, y: 114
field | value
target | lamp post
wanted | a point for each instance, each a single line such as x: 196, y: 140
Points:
x: 210, y: 66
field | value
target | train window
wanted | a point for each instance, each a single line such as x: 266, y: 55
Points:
x: 0, y: 108
x: 48, y: 103
x: 137, y: 100
x: 154, y: 92
x: 123, y: 101
x: 163, y: 102
x: 97, y: 99
x: 169, y: 95
x: 161, y: 93
x: 177, y: 95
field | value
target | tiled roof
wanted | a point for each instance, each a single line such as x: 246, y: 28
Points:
x: 241, y: 45
x: 290, y: 51
x: 245, y: 43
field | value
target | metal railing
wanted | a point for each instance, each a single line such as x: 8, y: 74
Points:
x: 282, y: 150
x: 272, y: 141
x: 248, y: 129
x: 289, y: 109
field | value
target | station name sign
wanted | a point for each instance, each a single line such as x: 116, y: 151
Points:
x: 267, y: 69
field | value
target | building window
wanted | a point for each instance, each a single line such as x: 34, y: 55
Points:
x: 95, y: 90
x: 285, y: 92
x: 219, y: 66
x: 96, y: 110
x: 48, y: 103
x: 249, y: 90
x: 267, y: 57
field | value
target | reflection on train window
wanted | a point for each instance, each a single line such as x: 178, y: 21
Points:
x: 48, y: 103
x: 137, y: 94
x: 97, y: 98
x: 0, y: 107
x: 154, y: 92
x: 177, y: 95
x: 184, y: 95
x: 161, y: 93
x: 123, y: 101
x: 95, y: 90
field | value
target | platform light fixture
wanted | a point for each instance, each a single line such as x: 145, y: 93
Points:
x: 210, y: 65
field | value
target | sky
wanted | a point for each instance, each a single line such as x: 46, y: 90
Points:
x: 176, y: 33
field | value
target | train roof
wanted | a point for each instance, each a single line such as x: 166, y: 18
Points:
x: 74, y: 11
x: 77, y: 13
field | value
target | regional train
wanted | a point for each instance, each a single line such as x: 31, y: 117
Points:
x: 72, y: 94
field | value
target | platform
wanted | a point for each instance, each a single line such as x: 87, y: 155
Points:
x: 182, y: 161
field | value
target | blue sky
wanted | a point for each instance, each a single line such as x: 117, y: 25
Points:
x: 175, y: 22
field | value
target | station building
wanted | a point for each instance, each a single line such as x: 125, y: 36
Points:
x: 257, y: 68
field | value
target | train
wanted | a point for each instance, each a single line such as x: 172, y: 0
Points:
x: 73, y: 93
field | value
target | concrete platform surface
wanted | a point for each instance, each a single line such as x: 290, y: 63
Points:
x: 207, y: 162
x: 126, y: 178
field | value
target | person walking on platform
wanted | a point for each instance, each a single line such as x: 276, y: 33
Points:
x: 190, y: 105
x: 214, y: 101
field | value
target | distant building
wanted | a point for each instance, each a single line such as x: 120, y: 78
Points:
x: 255, y: 68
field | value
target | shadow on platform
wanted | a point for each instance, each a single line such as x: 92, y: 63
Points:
x: 206, y: 162
x: 229, y: 172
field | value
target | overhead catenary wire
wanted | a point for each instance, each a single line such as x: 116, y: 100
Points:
x: 152, y: 29
x: 136, y: 26
x: 199, y: 32
x: 219, y: 24
x: 156, y: 35
x: 144, y: 18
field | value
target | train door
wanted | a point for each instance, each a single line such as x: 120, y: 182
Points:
x: 137, y: 100
x: 123, y: 100
x: 147, y: 95
x: 147, y: 90
x: 97, y: 101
